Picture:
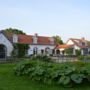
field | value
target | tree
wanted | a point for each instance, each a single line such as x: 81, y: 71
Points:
x: 58, y: 39
x: 20, y: 50
x: 69, y: 51
x: 78, y: 52
x: 13, y: 30
x: 88, y: 42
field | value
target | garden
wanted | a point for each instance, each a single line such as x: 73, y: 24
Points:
x: 39, y: 73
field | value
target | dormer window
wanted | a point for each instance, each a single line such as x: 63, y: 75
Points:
x: 83, y: 43
x: 15, y: 38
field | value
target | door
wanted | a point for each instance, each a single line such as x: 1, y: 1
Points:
x: 2, y: 51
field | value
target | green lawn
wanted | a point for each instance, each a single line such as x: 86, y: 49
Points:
x: 8, y: 81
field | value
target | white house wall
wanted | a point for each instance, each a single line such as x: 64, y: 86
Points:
x: 6, y: 43
x: 69, y: 42
x: 76, y: 47
x: 39, y: 47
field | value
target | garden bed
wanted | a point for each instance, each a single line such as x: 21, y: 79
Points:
x: 66, y: 74
x: 8, y: 81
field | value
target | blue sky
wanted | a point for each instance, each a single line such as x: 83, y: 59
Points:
x: 66, y: 18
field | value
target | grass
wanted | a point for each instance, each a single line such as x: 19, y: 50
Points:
x: 8, y: 81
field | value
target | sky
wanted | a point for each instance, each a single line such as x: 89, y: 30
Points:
x: 66, y: 18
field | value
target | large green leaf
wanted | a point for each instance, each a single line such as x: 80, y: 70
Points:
x: 77, y: 78
x: 64, y: 80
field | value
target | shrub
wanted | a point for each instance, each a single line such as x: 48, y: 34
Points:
x: 48, y: 72
x: 77, y: 78
x: 78, y: 52
x: 83, y: 57
x: 87, y: 57
x: 69, y: 51
x: 41, y: 58
x: 80, y: 57
x: 20, y: 50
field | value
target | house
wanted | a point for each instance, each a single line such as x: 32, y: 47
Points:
x: 75, y: 44
x: 60, y: 49
x: 37, y: 44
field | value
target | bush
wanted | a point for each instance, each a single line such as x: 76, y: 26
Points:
x: 80, y: 57
x: 83, y: 57
x: 87, y: 57
x: 78, y: 52
x: 69, y: 51
x: 48, y: 72
x: 41, y: 58
x: 20, y: 50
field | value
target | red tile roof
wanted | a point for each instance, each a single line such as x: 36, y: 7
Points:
x: 25, y: 39
x: 28, y: 39
x: 44, y: 40
x: 64, y: 46
x: 79, y: 42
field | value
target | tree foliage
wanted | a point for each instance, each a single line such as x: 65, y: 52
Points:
x: 20, y: 50
x: 69, y: 51
x: 58, y: 39
x: 13, y: 30
x: 78, y: 52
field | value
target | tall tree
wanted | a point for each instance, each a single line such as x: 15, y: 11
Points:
x: 13, y: 30
x: 58, y: 39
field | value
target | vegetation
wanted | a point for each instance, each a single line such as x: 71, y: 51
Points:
x: 69, y: 51
x: 78, y: 52
x: 20, y: 50
x: 81, y: 57
x: 8, y: 81
x: 13, y: 30
x: 58, y: 39
x: 41, y: 58
x: 66, y: 74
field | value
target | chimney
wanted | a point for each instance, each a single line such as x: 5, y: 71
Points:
x: 83, y: 38
x: 36, y: 34
x: 84, y: 41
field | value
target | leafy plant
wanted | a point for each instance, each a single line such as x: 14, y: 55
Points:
x: 80, y: 57
x: 42, y: 58
x: 78, y: 52
x: 77, y: 78
x: 64, y: 80
x: 48, y: 72
x: 20, y: 50
x: 69, y: 51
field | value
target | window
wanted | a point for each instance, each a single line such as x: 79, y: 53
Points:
x: 42, y: 51
x: 35, y: 50
x: 47, y: 49
x: 83, y: 43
